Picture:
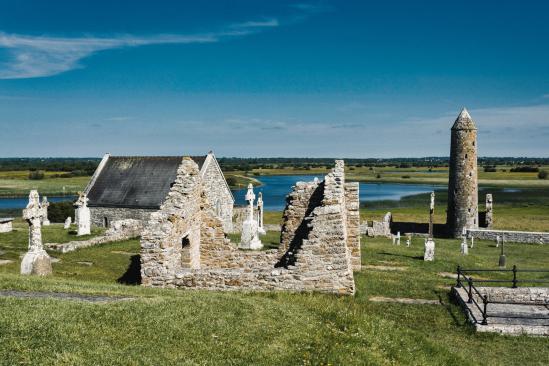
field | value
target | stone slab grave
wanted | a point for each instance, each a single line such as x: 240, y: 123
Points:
x: 62, y: 296
x: 518, y: 311
x: 6, y: 224
x: 184, y: 246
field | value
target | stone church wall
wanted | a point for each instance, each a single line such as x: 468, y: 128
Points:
x: 98, y: 215
x: 321, y: 260
x: 219, y: 195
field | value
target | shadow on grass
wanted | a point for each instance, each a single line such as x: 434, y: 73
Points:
x: 132, y: 276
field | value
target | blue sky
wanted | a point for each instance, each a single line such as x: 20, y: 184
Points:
x: 279, y: 78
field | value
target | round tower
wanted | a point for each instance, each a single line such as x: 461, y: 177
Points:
x: 463, y: 184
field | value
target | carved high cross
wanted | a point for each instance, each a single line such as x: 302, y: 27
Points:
x: 34, y: 213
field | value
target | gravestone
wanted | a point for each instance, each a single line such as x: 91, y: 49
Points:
x: 261, y: 229
x: 429, y: 253
x: 250, y: 232
x: 464, y: 246
x: 68, y: 221
x: 45, y: 205
x: 36, y: 261
x: 83, y: 213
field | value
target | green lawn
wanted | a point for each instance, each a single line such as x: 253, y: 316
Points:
x: 164, y: 326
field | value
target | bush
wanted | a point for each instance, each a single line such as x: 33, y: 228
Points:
x: 490, y: 169
x: 36, y: 175
x: 232, y: 182
x: 525, y: 169
x: 405, y: 177
x: 542, y: 174
x: 59, y: 211
x: 378, y: 176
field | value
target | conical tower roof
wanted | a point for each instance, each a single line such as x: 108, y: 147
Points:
x: 464, y: 121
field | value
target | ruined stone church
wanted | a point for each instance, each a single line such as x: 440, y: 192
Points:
x: 133, y: 187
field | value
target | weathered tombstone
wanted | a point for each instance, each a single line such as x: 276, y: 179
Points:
x: 36, y: 261
x: 45, y: 205
x: 260, y: 229
x: 6, y: 224
x: 249, y: 238
x: 409, y: 240
x: 489, y: 218
x: 464, y: 246
x: 431, y: 214
x: 68, y: 221
x: 497, y: 241
x: 398, y: 238
x: 472, y: 241
x: 429, y: 253
x: 394, y: 239
x: 84, y: 217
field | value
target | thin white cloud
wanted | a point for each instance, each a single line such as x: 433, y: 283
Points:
x: 41, y: 56
x: 119, y: 118
x: 267, y: 23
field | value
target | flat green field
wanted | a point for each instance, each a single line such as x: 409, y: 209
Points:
x: 417, y: 175
x: 165, y: 326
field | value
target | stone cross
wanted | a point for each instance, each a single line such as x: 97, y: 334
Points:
x: 431, y: 214
x: 250, y: 231
x: 36, y: 260
x: 83, y: 215
x: 429, y: 253
x: 45, y: 205
x: 261, y: 229
x: 68, y: 221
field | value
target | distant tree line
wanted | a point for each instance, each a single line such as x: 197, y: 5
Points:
x: 71, y: 167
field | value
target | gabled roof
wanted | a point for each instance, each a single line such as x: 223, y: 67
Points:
x: 135, y: 181
x: 464, y: 121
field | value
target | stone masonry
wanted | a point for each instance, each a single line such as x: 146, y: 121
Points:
x: 184, y: 246
x: 462, y: 210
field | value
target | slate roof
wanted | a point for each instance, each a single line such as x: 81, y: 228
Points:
x: 464, y: 121
x: 136, y: 181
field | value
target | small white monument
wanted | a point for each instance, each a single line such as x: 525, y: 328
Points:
x: 250, y: 234
x: 398, y: 238
x: 84, y: 217
x: 45, y: 205
x: 429, y: 253
x: 36, y: 261
x: 260, y: 227
x: 409, y: 240
x: 68, y: 222
x: 464, y: 246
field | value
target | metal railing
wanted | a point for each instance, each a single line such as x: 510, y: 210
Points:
x: 463, y: 275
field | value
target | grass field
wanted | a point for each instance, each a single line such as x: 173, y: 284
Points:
x: 195, y: 327
x: 415, y: 175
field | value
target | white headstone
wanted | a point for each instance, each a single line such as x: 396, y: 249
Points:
x: 36, y: 260
x: 429, y: 253
x: 250, y: 231
x: 68, y: 221
x: 45, y: 205
x: 260, y: 229
x: 398, y: 238
x: 464, y: 246
x: 84, y: 216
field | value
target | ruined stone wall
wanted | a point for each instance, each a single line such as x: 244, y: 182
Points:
x: 6, y: 227
x: 218, y: 193
x: 352, y: 203
x: 510, y: 236
x: 113, y: 214
x: 462, y: 185
x: 320, y: 261
x: 170, y: 241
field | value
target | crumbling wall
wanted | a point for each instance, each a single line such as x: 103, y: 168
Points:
x: 218, y: 193
x: 352, y: 202
x: 315, y: 253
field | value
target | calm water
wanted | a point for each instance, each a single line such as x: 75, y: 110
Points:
x: 275, y: 189
x: 21, y: 202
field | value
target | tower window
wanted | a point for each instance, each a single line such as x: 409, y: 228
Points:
x: 473, y: 143
x: 465, y: 156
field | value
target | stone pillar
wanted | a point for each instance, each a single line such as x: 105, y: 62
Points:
x: 83, y: 214
x: 429, y: 253
x: 261, y: 229
x: 249, y: 238
x: 45, y: 205
x: 431, y: 214
x: 489, y: 218
x: 36, y: 261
